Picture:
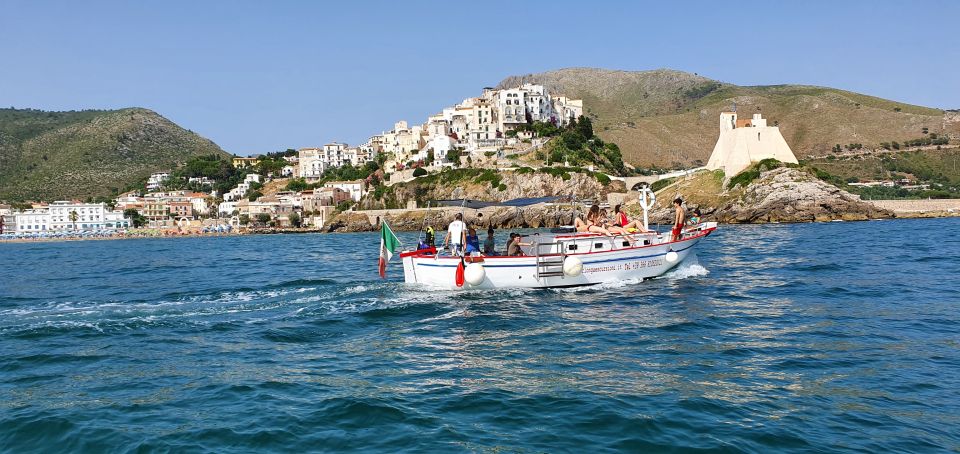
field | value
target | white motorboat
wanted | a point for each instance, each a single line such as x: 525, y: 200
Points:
x: 560, y: 260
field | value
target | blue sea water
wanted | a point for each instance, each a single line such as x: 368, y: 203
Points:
x: 789, y: 338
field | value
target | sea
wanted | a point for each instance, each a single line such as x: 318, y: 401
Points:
x: 828, y: 337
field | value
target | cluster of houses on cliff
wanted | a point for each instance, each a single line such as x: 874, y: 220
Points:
x: 477, y: 125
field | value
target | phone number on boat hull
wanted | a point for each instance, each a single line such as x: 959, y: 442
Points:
x: 626, y: 266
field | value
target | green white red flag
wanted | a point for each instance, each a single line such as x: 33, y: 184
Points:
x: 388, y: 245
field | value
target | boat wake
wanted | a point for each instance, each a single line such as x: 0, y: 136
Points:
x: 690, y: 267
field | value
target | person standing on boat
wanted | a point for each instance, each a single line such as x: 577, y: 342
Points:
x: 456, y: 235
x: 678, y: 219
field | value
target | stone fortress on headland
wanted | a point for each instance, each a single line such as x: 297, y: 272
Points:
x: 744, y: 142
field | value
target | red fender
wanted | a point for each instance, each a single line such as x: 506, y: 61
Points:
x: 459, y: 278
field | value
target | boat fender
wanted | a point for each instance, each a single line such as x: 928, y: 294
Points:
x: 572, y: 266
x: 672, y: 257
x: 474, y: 274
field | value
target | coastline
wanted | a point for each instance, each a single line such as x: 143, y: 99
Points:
x: 404, y: 220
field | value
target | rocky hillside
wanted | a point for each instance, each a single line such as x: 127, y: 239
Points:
x: 665, y: 117
x: 779, y: 195
x: 487, y: 185
x: 60, y: 155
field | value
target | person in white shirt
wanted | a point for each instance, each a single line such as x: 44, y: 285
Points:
x: 456, y: 235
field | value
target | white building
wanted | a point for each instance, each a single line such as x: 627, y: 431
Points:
x: 743, y: 142
x: 238, y: 192
x: 226, y: 209
x: 312, y: 163
x: 64, y: 216
x: 156, y: 180
x: 355, y: 188
x: 202, y: 181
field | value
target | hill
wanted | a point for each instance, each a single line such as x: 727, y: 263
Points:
x: 670, y: 118
x: 80, y: 154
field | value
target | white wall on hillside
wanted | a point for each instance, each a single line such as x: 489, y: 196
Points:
x: 737, y: 148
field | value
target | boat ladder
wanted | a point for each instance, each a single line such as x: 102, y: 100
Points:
x: 549, y: 262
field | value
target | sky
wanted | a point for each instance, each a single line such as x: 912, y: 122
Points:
x: 260, y: 76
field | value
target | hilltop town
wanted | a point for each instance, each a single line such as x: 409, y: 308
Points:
x: 299, y: 188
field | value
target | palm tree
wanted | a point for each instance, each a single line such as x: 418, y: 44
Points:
x: 73, y: 218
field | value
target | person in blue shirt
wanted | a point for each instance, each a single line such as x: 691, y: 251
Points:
x: 473, y: 241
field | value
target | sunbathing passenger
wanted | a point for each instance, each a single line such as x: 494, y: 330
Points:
x: 623, y: 221
x: 594, y: 222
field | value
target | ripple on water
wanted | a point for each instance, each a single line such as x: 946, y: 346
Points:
x: 772, y: 340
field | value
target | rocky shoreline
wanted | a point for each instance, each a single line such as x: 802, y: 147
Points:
x: 782, y: 195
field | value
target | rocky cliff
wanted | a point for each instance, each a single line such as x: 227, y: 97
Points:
x: 779, y: 195
x: 488, y: 185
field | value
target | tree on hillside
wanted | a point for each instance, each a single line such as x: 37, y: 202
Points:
x: 585, y: 127
x: 297, y: 185
x: 263, y: 218
x: 136, y: 218
x: 73, y: 218
x: 295, y: 219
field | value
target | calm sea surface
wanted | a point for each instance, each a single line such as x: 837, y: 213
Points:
x: 794, y: 338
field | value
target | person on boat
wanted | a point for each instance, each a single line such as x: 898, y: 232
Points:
x: 678, y: 219
x: 456, y: 235
x: 694, y: 217
x: 613, y: 228
x: 429, y: 237
x: 593, y: 222
x: 472, y: 241
x: 489, y: 247
x: 514, y: 248
x: 624, y: 222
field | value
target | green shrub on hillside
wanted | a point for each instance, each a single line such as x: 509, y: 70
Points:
x: 419, y: 172
x: 744, y: 178
x: 660, y: 184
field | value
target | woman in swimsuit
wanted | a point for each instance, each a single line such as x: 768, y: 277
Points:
x: 622, y: 220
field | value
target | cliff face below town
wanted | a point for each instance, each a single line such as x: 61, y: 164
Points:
x: 491, y: 186
x: 665, y: 117
x: 778, y: 195
x: 78, y: 154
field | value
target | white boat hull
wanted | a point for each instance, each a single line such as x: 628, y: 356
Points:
x: 604, y: 259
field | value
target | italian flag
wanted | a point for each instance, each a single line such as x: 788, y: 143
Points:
x: 388, y: 245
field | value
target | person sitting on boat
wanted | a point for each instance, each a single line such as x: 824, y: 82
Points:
x: 593, y: 222
x: 489, y: 247
x: 678, y: 219
x: 623, y: 221
x: 513, y: 249
x: 694, y: 217
x: 472, y: 241
x: 456, y: 235
x: 613, y: 228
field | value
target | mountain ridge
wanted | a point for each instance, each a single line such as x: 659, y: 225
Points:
x: 666, y: 117
x: 46, y: 155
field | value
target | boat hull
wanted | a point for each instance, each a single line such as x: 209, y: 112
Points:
x: 628, y: 263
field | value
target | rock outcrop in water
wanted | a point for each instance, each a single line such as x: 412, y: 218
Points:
x: 779, y: 195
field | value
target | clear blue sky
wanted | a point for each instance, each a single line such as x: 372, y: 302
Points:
x: 261, y: 76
